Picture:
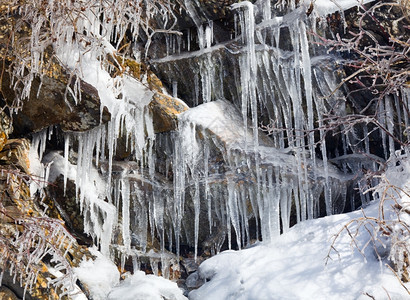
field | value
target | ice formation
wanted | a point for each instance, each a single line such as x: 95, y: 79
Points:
x: 293, y: 85
x: 222, y: 165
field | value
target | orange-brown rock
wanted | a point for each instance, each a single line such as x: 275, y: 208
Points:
x: 3, y: 140
x: 15, y: 153
x: 165, y: 110
x: 5, y: 124
x: 139, y: 71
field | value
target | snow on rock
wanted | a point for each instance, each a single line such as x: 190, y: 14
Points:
x: 222, y: 119
x: 325, y: 7
x: 142, y: 287
x: 99, y: 275
x: 293, y: 267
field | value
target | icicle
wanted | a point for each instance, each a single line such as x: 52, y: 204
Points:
x: 399, y: 116
x: 154, y: 265
x: 320, y: 109
x: 208, y: 36
x: 307, y: 79
x: 179, y: 191
x: 126, y: 235
x: 208, y: 198
x: 390, y: 123
x: 284, y: 207
x: 197, y: 209
x: 78, y: 174
x: 66, y: 155
x: 382, y: 119
x: 233, y: 211
x: 248, y: 67
x: 175, y: 89
x: 39, y: 142
x: 189, y: 40
x: 266, y: 10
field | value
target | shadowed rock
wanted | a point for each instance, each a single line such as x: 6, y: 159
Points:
x: 50, y: 104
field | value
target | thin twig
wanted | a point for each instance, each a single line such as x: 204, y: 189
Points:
x: 397, y: 276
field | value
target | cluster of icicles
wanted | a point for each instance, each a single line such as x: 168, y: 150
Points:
x: 259, y: 181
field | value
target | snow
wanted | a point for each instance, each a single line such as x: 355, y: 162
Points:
x: 142, y: 287
x: 221, y: 118
x: 326, y: 7
x: 99, y: 275
x: 293, y: 267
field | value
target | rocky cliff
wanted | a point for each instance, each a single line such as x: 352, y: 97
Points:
x: 97, y: 147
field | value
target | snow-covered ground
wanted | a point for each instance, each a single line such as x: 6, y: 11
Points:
x: 293, y: 267
x: 102, y: 279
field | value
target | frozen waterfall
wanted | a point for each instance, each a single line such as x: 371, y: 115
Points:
x: 218, y: 175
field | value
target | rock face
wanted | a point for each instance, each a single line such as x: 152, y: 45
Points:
x: 7, y: 294
x: 383, y: 28
x: 15, y: 153
x: 3, y: 140
x: 66, y: 207
x: 21, y: 215
x: 53, y: 102
x: 17, y: 207
x: 165, y: 110
x: 55, y: 96
x: 194, y: 74
x: 201, y: 173
x: 50, y: 104
x: 23, y: 223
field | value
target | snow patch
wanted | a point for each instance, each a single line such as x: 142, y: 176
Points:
x: 327, y: 7
x: 293, y: 267
x: 141, y: 287
x: 99, y: 275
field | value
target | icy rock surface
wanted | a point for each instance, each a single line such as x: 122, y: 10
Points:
x: 281, y: 75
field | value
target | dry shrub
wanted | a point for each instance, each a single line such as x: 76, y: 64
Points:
x: 388, y: 234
